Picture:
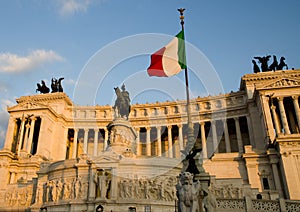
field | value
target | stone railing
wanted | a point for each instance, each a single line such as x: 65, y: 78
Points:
x: 248, y: 205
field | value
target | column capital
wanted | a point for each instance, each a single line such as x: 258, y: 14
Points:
x: 273, y: 107
x: 96, y: 129
x: 213, y: 122
x: 224, y: 120
x: 158, y: 127
x: 280, y: 98
x: 76, y: 129
x: 27, y: 125
x: 294, y: 97
x: 202, y: 122
x: 148, y: 128
x: 169, y: 126
x: 179, y: 125
x: 236, y: 118
x: 33, y: 118
x: 137, y: 129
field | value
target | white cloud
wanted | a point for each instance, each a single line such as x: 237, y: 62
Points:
x: 12, y: 63
x: 69, y: 7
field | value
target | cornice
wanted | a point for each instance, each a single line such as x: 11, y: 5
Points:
x: 50, y: 97
x: 267, y: 76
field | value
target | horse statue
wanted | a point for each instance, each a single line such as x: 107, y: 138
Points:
x: 56, y: 85
x: 60, y: 88
x: 274, y: 65
x: 122, y: 103
x: 282, y: 64
x: 255, y: 67
x: 264, y: 62
x: 42, y: 88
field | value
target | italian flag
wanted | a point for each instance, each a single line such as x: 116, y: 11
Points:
x: 169, y: 60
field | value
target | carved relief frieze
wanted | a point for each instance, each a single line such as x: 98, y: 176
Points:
x: 159, y: 188
x: 61, y: 189
x: 17, y: 197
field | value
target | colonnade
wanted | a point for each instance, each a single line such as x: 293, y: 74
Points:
x: 23, y: 135
x: 284, y: 120
x: 86, y: 137
x: 168, y: 141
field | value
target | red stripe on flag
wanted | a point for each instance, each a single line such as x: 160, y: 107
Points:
x: 156, y: 66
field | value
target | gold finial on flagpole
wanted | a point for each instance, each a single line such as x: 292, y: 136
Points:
x: 181, y: 10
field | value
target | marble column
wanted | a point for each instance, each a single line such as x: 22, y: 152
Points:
x: 180, y: 136
x: 283, y: 115
x: 21, y: 135
x: 75, y: 146
x: 268, y: 118
x: 96, y: 132
x: 158, y: 141
x: 12, y: 133
x: 203, y: 139
x: 138, y: 142
x: 297, y: 110
x: 33, y: 119
x: 105, y: 139
x: 274, y: 161
x: 148, y: 141
x: 277, y: 127
x: 250, y: 130
x: 238, y: 134
x: 170, y: 141
x: 85, y: 141
x: 214, y: 135
x: 25, y: 145
x: 226, y: 135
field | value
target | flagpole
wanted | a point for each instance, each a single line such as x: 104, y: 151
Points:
x: 191, y: 142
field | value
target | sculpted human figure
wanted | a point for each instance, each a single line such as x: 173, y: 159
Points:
x: 67, y: 190
x: 59, y: 185
x: 54, y: 191
x: 54, y: 85
x: 102, y: 183
x: 77, y: 187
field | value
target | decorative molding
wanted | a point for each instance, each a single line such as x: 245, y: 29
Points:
x: 284, y: 82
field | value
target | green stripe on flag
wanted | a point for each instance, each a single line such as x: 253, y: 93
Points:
x: 181, y: 50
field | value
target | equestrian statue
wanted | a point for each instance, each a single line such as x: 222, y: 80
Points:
x: 122, y: 103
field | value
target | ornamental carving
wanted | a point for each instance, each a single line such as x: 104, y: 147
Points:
x: 17, y: 197
x: 259, y: 205
x: 159, y: 188
x: 226, y: 191
x: 284, y: 83
x: 61, y: 189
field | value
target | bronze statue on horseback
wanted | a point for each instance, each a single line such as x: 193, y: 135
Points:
x: 122, y: 103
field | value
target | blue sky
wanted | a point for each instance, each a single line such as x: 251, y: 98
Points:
x: 42, y: 39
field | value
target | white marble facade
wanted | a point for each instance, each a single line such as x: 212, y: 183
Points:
x: 63, y: 157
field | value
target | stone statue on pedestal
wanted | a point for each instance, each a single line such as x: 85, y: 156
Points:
x: 187, y: 193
